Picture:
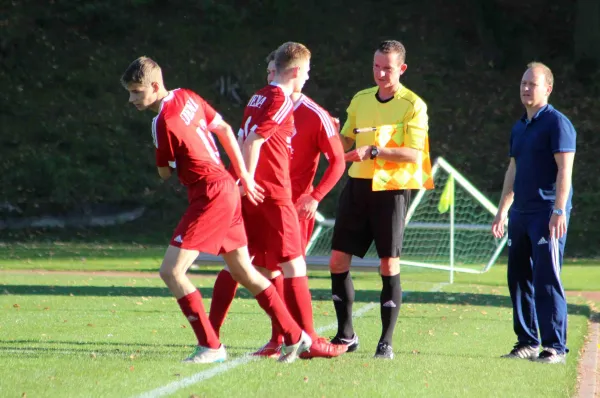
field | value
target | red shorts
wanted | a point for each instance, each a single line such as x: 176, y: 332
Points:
x: 273, y: 233
x: 212, y: 222
x: 306, y: 230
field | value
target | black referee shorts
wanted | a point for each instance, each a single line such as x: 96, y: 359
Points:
x: 363, y: 216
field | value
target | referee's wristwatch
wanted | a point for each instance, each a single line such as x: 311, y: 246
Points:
x: 558, y: 212
x: 374, y: 152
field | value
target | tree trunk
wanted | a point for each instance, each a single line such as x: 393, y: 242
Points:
x: 484, y: 15
x: 587, y: 32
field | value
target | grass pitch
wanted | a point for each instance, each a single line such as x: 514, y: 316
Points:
x: 117, y: 335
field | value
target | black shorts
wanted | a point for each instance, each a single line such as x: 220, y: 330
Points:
x: 363, y: 216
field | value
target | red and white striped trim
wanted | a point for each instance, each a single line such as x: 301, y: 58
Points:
x: 283, y: 111
x: 323, y: 115
x: 215, y: 122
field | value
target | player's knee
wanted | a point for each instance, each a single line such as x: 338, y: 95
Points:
x: 390, y: 266
x: 339, y: 262
x: 239, y: 274
x: 294, y: 268
x: 169, y: 272
x: 166, y: 273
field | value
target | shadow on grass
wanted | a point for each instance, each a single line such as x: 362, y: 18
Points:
x: 91, y: 251
x: 29, y: 342
x: 89, y: 349
x: 365, y: 296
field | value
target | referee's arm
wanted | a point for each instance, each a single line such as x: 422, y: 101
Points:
x: 347, y: 143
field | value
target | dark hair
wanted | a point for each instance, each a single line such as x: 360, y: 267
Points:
x: 271, y: 56
x: 393, y: 46
x: 140, y: 71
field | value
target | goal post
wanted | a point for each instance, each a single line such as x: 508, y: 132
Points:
x: 447, y: 228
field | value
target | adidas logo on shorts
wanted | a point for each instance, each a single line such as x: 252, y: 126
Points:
x: 542, y: 241
x: 178, y: 239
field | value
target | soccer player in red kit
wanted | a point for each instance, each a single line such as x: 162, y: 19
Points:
x: 213, y: 222
x: 314, y: 132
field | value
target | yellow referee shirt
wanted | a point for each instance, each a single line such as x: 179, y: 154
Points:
x: 405, y: 108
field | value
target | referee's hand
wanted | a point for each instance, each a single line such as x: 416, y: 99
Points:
x: 359, y: 154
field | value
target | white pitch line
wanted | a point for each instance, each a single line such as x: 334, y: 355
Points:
x: 175, y: 386
x: 229, y: 365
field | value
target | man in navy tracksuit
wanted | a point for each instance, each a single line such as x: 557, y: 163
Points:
x: 537, y: 189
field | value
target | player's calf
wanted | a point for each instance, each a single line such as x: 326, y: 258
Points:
x: 265, y: 293
x: 173, y: 270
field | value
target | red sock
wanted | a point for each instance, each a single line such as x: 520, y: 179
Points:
x: 276, y: 335
x: 222, y: 297
x: 273, y: 305
x: 299, y: 303
x: 193, y: 309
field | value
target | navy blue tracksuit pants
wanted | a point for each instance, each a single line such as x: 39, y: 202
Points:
x: 534, y: 265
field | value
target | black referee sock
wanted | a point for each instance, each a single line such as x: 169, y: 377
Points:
x: 342, y: 294
x: 391, y: 298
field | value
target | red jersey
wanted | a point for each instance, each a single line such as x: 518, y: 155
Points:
x: 269, y: 114
x: 183, y: 140
x: 315, y: 133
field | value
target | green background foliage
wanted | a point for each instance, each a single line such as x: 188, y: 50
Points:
x: 69, y: 139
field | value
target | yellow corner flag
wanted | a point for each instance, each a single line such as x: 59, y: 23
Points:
x: 447, y: 197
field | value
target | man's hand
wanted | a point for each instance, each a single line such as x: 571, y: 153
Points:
x: 498, y: 225
x: 306, y: 206
x: 253, y: 191
x: 359, y: 154
x: 558, y: 226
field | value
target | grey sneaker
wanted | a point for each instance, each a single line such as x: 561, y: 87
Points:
x: 289, y: 353
x: 207, y: 355
x: 550, y: 355
x: 522, y: 352
x: 352, y: 342
x: 384, y: 351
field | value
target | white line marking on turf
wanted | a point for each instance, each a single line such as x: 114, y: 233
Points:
x: 175, y: 386
x: 356, y: 314
x: 227, y: 366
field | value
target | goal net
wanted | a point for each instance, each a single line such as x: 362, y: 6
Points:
x: 447, y: 228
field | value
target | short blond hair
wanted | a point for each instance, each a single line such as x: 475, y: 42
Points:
x: 290, y: 54
x: 547, y: 72
x: 143, y: 70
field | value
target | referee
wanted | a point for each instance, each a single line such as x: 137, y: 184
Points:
x: 365, y: 215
